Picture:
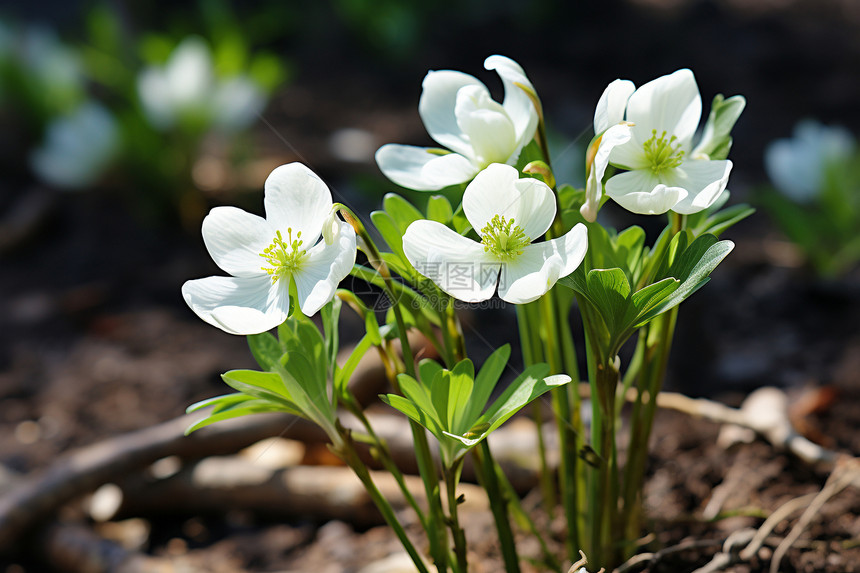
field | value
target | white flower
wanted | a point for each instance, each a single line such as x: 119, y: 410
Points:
x: 186, y: 89
x: 508, y: 213
x: 662, y: 172
x: 609, y: 131
x: 77, y: 149
x: 460, y: 115
x: 267, y: 256
x: 797, y: 166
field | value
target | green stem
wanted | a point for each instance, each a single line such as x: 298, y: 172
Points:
x: 348, y: 454
x: 435, y: 523
x: 531, y: 349
x: 659, y: 342
x: 525, y: 521
x: 452, y: 478
x: 499, y: 502
x: 385, y: 457
x: 567, y: 438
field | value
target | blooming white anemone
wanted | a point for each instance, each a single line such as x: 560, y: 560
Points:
x: 268, y: 256
x: 460, y: 115
x: 797, y: 166
x: 77, y: 148
x: 609, y: 132
x: 663, y: 171
x: 186, y: 89
x: 508, y: 213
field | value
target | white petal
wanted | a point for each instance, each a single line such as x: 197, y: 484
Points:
x: 486, y: 124
x: 436, y: 107
x: 641, y: 192
x: 459, y: 266
x: 670, y: 103
x: 517, y: 103
x: 704, y: 182
x: 611, y: 106
x: 297, y: 198
x: 239, y: 305
x: 631, y: 154
x: 498, y: 190
x: 152, y: 89
x: 616, y: 135
x: 326, y: 265
x: 189, y: 73
x: 235, y: 239
x: 532, y: 274
x: 416, y: 168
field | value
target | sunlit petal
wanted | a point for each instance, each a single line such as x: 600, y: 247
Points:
x: 238, y: 305
x: 296, y: 198
x: 459, y: 266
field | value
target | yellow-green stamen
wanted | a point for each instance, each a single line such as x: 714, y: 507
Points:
x: 663, y: 153
x: 503, y: 239
x: 284, y: 257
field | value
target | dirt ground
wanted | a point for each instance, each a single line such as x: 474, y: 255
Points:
x: 96, y: 341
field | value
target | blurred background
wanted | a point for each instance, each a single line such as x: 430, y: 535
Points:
x: 122, y: 123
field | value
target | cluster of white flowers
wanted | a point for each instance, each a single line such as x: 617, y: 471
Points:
x: 647, y: 133
x: 186, y: 88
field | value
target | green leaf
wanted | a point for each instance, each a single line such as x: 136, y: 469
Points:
x: 694, y: 273
x: 251, y: 407
x: 609, y: 289
x: 266, y: 386
x: 219, y: 402
x: 389, y: 230
x: 411, y: 409
x: 461, y: 380
x: 266, y: 349
x: 461, y: 223
x: 649, y: 297
x: 527, y: 387
x: 418, y: 394
x: 716, y: 138
x: 344, y: 373
x: 402, y: 212
x: 721, y: 221
x: 486, y: 380
x: 330, y: 314
x: 427, y: 371
x: 439, y: 209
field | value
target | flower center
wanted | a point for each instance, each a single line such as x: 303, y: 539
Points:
x: 663, y: 153
x: 503, y: 239
x: 283, y: 257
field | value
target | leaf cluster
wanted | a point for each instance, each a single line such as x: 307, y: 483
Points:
x: 453, y: 404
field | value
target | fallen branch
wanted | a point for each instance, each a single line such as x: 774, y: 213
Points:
x: 765, y: 412
x: 318, y: 493
x: 74, y: 547
x: 83, y: 470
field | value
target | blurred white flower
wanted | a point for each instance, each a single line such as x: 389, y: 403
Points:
x: 77, y: 148
x: 662, y: 173
x: 46, y: 58
x: 797, y: 166
x: 269, y: 257
x: 460, y: 115
x: 186, y: 89
x: 509, y: 214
